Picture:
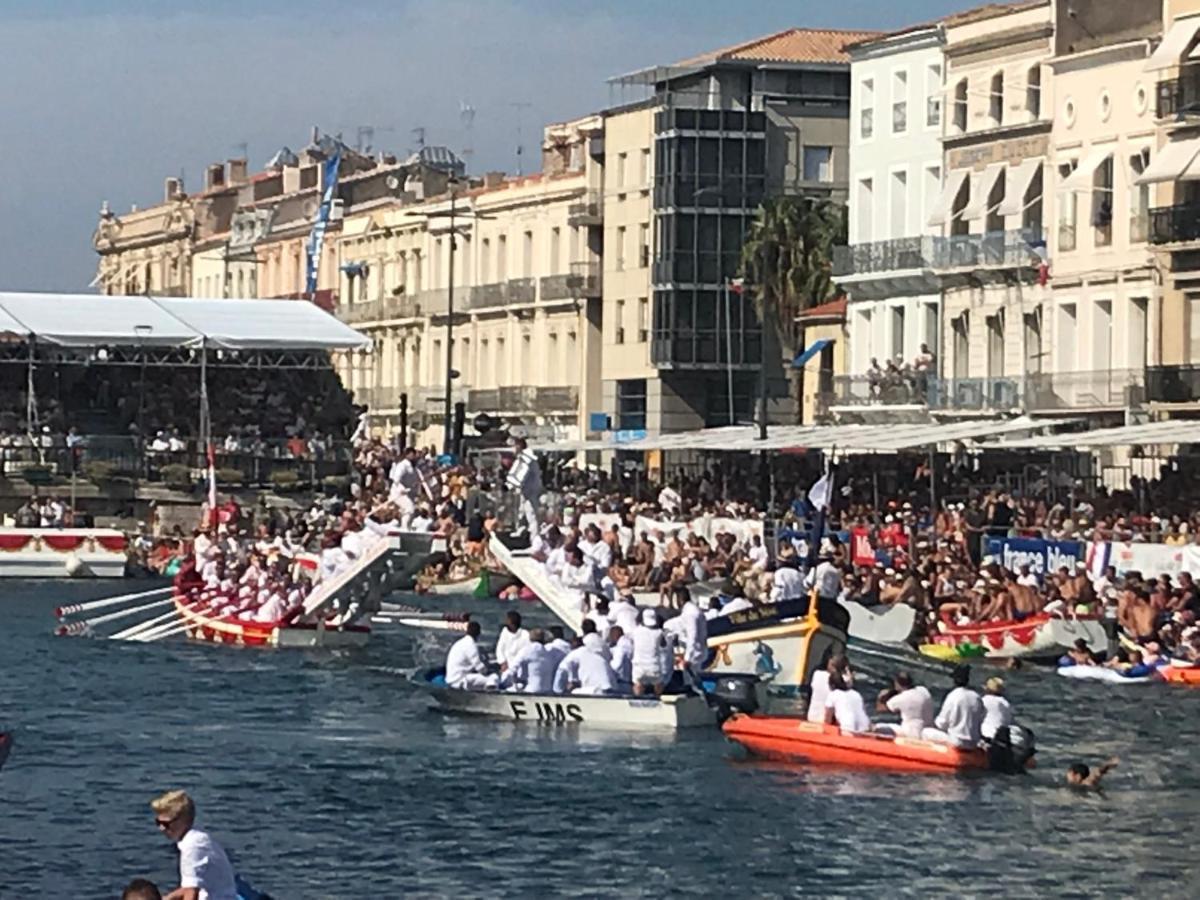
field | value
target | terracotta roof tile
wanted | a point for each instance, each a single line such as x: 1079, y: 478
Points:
x: 834, y: 308
x: 816, y: 45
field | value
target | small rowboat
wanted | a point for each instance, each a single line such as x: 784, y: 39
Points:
x: 5, y: 746
x: 669, y: 713
x: 1040, y: 636
x: 1180, y: 674
x: 241, y: 632
x: 1104, y: 674
x: 793, y: 739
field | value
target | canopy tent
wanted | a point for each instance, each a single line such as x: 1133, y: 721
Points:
x: 849, y: 439
x: 93, y: 320
x: 1175, y: 431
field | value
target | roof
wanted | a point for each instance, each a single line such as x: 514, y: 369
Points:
x: 94, y: 320
x: 848, y: 439
x: 834, y: 309
x: 1171, y: 431
x: 991, y: 11
x: 816, y: 45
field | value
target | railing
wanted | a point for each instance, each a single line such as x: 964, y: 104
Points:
x: 995, y: 248
x: 1099, y: 389
x: 501, y: 293
x: 524, y: 399
x: 423, y: 397
x: 586, y: 279
x: 1177, y: 95
x: 884, y: 256
x: 404, y: 306
x: 1173, y: 224
x: 1173, y: 384
x: 588, y: 211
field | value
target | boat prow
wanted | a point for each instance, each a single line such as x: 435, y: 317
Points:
x: 211, y: 629
x: 1040, y: 636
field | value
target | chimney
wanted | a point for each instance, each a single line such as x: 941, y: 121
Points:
x: 291, y: 179
x: 237, y: 171
x: 493, y: 179
x: 171, y: 189
x: 214, y: 176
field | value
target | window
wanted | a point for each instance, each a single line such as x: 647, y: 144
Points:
x: 933, y: 189
x: 527, y: 255
x: 500, y: 374
x: 1139, y: 308
x: 1067, y: 337
x: 1033, y: 342
x: 1067, y: 209
x: 899, y: 204
x: 898, y: 334
x: 622, y: 158
x: 960, y: 105
x: 620, y: 267
x: 867, y: 113
x: 644, y: 245
x: 933, y: 96
x: 962, y: 346
x: 502, y: 258
x: 1033, y: 92
x: 631, y: 404
x: 818, y: 164
x: 995, y: 328
x: 929, y: 334
x: 464, y: 359
x: 644, y: 169
x: 643, y: 316
x: 864, y: 209
x: 899, y: 102
x: 619, y: 322
x: 555, y: 244
x: 436, y: 362
x: 1102, y: 203
x: 994, y: 220
x: 485, y: 260
x: 996, y: 99
x: 1139, y: 198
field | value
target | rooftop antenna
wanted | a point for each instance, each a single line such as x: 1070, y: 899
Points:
x: 519, y: 105
x: 466, y: 115
x: 419, y: 134
x: 364, y: 137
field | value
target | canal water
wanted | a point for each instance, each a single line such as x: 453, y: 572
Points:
x: 327, y: 776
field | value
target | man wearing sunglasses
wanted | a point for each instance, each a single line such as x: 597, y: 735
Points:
x: 204, y: 869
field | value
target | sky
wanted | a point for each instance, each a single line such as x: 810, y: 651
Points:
x: 103, y: 99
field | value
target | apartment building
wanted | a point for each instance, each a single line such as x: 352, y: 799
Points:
x: 896, y: 112
x: 688, y: 158
x: 524, y: 279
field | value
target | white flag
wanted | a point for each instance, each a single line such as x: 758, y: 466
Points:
x: 818, y: 494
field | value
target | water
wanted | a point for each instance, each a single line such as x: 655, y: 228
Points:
x: 328, y: 777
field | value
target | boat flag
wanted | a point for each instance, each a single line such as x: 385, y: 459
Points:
x: 818, y: 494
x: 316, y: 238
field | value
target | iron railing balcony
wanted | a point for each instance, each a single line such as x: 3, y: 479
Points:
x: 1173, y: 384
x: 994, y: 249
x: 1175, y: 224
x: 586, y: 279
x: 1178, y: 95
x: 892, y: 255
x: 502, y: 293
x: 587, y: 211
x: 911, y: 388
x: 524, y: 399
x: 1096, y: 389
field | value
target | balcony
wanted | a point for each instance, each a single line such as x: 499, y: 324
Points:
x: 1173, y: 384
x: 404, y: 306
x: 1098, y: 389
x: 586, y: 279
x: 995, y: 249
x: 1178, y: 95
x: 588, y: 211
x: 914, y: 389
x: 1175, y: 224
x: 893, y: 255
x: 524, y: 399
x: 512, y: 292
x: 422, y: 398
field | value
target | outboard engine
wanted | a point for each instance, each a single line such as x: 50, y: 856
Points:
x: 1011, y: 749
x: 733, y: 693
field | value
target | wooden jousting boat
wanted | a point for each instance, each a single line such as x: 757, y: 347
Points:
x: 202, y: 626
x: 1041, y: 636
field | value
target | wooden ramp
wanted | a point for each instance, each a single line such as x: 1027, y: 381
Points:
x: 533, y: 575
x: 383, y: 567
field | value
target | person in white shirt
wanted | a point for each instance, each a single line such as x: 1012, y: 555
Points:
x: 204, y: 870
x: 844, y: 707
x: 961, y: 716
x: 624, y: 613
x: 787, y: 582
x: 558, y: 646
x: 533, y: 669
x: 585, y: 670
x: 620, y: 647
x: 601, y: 616
x: 646, y: 668
x: 691, y: 629
x: 997, y: 711
x: 511, y: 640
x: 596, y: 550
x: 913, y: 703
x: 577, y: 578
x: 826, y: 578
x: 464, y: 666
x: 669, y: 500
x: 1027, y: 578
x: 525, y: 476
x: 757, y: 554
x: 819, y: 685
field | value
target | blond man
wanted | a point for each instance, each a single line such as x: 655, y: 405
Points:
x: 204, y: 869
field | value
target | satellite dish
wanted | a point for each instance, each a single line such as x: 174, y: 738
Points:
x: 310, y: 207
x: 393, y: 183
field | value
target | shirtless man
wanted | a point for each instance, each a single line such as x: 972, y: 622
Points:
x: 1081, y: 777
x: 1025, y: 599
x: 1136, y: 614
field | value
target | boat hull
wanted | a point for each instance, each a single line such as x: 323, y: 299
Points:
x: 567, y: 710
x: 1036, y: 636
x: 1102, y: 674
x: 1180, y: 674
x: 229, y: 630
x: 892, y: 626
x: 798, y: 740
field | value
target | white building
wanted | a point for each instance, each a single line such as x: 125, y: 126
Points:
x: 895, y: 178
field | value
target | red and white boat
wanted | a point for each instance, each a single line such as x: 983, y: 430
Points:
x: 1041, y: 636
x: 202, y: 626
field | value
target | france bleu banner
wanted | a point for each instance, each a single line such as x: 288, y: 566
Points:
x: 1043, y: 557
x: 316, y: 238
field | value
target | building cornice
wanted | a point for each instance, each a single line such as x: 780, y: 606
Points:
x: 1127, y: 51
x: 997, y: 40
x: 992, y: 135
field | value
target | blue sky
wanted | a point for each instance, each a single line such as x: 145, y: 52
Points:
x: 103, y: 100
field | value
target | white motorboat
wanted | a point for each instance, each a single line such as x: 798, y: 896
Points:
x: 1104, y: 674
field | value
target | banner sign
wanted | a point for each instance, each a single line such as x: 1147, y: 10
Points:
x: 1042, y: 557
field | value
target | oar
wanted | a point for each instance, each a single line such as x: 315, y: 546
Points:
x: 431, y: 625
x: 134, y: 630
x: 73, y: 608
x: 83, y: 625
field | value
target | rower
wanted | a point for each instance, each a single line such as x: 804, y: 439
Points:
x: 601, y: 616
x: 819, y: 685
x: 577, y: 577
x: 691, y: 629
x: 585, y: 670
x: 533, y: 668
x: 464, y: 665
x: 623, y: 612
x: 558, y: 646
x: 997, y: 711
x: 961, y: 716
x: 913, y: 703
x: 620, y: 647
x: 844, y: 707
x: 647, y: 670
x: 511, y: 640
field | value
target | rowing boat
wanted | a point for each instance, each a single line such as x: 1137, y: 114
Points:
x: 201, y: 626
x: 798, y: 740
x: 1180, y: 674
x: 1039, y: 636
x: 1103, y: 674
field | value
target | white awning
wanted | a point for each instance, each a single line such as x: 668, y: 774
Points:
x: 980, y: 192
x: 95, y: 320
x: 1175, y: 161
x: 1016, y: 184
x: 1177, y: 43
x: 945, y: 202
x: 1173, y: 431
x: 1081, y: 178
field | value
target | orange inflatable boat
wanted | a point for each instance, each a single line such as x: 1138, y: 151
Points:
x: 1180, y: 674
x: 789, y: 738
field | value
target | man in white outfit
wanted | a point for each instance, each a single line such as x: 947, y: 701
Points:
x: 960, y: 721
x: 621, y: 649
x: 465, y: 668
x: 913, y: 703
x: 533, y: 669
x: 511, y: 640
x: 585, y: 670
x: 647, y: 670
x: 525, y: 477
x: 691, y: 629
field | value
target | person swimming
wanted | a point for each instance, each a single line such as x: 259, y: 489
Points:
x: 1080, y: 776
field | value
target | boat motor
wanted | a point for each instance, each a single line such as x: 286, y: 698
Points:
x: 1011, y: 749
x: 733, y: 693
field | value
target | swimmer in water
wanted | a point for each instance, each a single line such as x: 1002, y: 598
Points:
x: 1080, y: 776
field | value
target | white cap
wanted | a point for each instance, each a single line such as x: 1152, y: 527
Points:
x: 649, y: 618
